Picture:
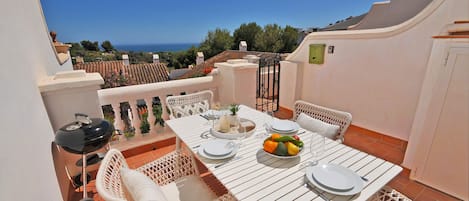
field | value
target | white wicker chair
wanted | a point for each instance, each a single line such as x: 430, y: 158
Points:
x: 173, y: 167
x: 189, y: 102
x: 331, y: 116
x: 389, y: 194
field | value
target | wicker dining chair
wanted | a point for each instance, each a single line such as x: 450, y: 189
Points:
x: 328, y: 115
x: 389, y: 194
x: 189, y: 104
x: 175, y: 168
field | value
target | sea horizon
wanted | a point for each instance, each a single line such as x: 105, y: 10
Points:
x: 161, y: 47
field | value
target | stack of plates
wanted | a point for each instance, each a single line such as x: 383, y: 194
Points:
x: 218, y: 149
x: 284, y: 127
x: 334, y: 179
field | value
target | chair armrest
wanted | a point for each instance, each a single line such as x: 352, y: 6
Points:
x: 169, y: 168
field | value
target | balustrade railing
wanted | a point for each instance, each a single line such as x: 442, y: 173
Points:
x: 148, y: 96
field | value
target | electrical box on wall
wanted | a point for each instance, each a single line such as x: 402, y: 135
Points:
x: 316, y: 53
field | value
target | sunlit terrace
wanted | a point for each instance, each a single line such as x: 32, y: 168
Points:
x: 404, y: 84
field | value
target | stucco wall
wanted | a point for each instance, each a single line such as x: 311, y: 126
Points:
x: 376, y: 74
x: 26, y: 170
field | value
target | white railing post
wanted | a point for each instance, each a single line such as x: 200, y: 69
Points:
x: 151, y: 116
x: 135, y: 116
x: 118, y: 124
x: 164, y: 113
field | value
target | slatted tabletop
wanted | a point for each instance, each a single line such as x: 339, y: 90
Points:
x: 254, y: 175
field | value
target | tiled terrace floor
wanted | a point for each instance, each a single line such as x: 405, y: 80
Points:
x: 388, y: 148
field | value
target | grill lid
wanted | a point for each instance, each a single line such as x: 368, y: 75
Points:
x: 85, y: 135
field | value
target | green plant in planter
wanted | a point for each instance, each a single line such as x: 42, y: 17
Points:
x: 234, y: 108
x: 129, y: 132
x: 144, y: 125
x: 157, y: 112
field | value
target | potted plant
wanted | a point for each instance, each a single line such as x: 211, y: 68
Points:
x: 129, y: 133
x: 233, y: 117
x: 144, y: 124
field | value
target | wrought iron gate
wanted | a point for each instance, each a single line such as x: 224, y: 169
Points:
x: 268, y: 83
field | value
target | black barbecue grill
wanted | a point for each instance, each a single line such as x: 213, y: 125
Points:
x: 84, y: 136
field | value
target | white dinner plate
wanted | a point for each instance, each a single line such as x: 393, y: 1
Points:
x: 292, y: 132
x: 218, y: 147
x: 202, y: 152
x: 356, y: 181
x: 284, y: 126
x: 333, y: 176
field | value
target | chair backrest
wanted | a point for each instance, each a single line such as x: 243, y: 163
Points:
x: 189, y: 104
x: 331, y: 116
x: 108, y: 179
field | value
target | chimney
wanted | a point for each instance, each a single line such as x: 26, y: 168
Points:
x: 125, y: 59
x: 79, y: 60
x: 156, y: 58
x: 200, y: 58
x: 243, y: 46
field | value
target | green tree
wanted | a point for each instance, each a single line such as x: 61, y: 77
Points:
x: 248, y: 33
x: 183, y: 59
x: 270, y: 40
x: 215, y: 42
x: 90, y: 46
x: 107, y: 46
x: 289, y: 39
x: 77, y: 50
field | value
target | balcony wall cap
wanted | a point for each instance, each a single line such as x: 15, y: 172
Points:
x: 237, y: 64
x: 69, y: 79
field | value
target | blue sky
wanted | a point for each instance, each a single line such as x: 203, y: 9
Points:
x: 179, y: 21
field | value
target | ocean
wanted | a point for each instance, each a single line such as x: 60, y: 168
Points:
x: 156, y: 47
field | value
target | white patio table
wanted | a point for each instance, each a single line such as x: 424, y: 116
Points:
x: 254, y: 175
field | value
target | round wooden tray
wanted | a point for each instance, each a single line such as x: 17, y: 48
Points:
x: 248, y: 124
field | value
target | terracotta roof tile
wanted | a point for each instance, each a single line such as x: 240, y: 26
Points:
x: 139, y: 73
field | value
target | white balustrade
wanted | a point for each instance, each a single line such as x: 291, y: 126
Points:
x: 130, y: 94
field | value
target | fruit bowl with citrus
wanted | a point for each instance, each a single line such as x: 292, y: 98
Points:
x: 285, y: 146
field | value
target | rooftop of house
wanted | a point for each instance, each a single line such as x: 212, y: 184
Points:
x: 139, y: 73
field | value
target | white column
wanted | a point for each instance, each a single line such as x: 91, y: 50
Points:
x: 164, y: 113
x: 290, y: 83
x: 70, y: 92
x: 151, y: 117
x: 237, y: 82
x: 135, y: 116
x: 118, y: 124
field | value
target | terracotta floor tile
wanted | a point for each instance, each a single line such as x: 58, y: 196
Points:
x: 392, y: 141
x: 430, y: 194
x: 413, y: 189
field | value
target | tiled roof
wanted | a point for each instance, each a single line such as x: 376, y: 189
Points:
x: 139, y: 73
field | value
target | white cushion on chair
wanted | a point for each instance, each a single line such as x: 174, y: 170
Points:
x: 141, y: 187
x: 318, y: 126
x: 188, y: 188
x: 191, y: 109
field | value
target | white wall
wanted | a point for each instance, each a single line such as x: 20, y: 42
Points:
x: 26, y: 170
x: 376, y: 74
x: 390, y: 13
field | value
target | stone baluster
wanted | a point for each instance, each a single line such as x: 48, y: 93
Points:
x: 135, y: 116
x: 151, y: 116
x: 118, y: 124
x: 164, y: 113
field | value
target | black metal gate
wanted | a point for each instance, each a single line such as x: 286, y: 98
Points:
x: 268, y: 83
